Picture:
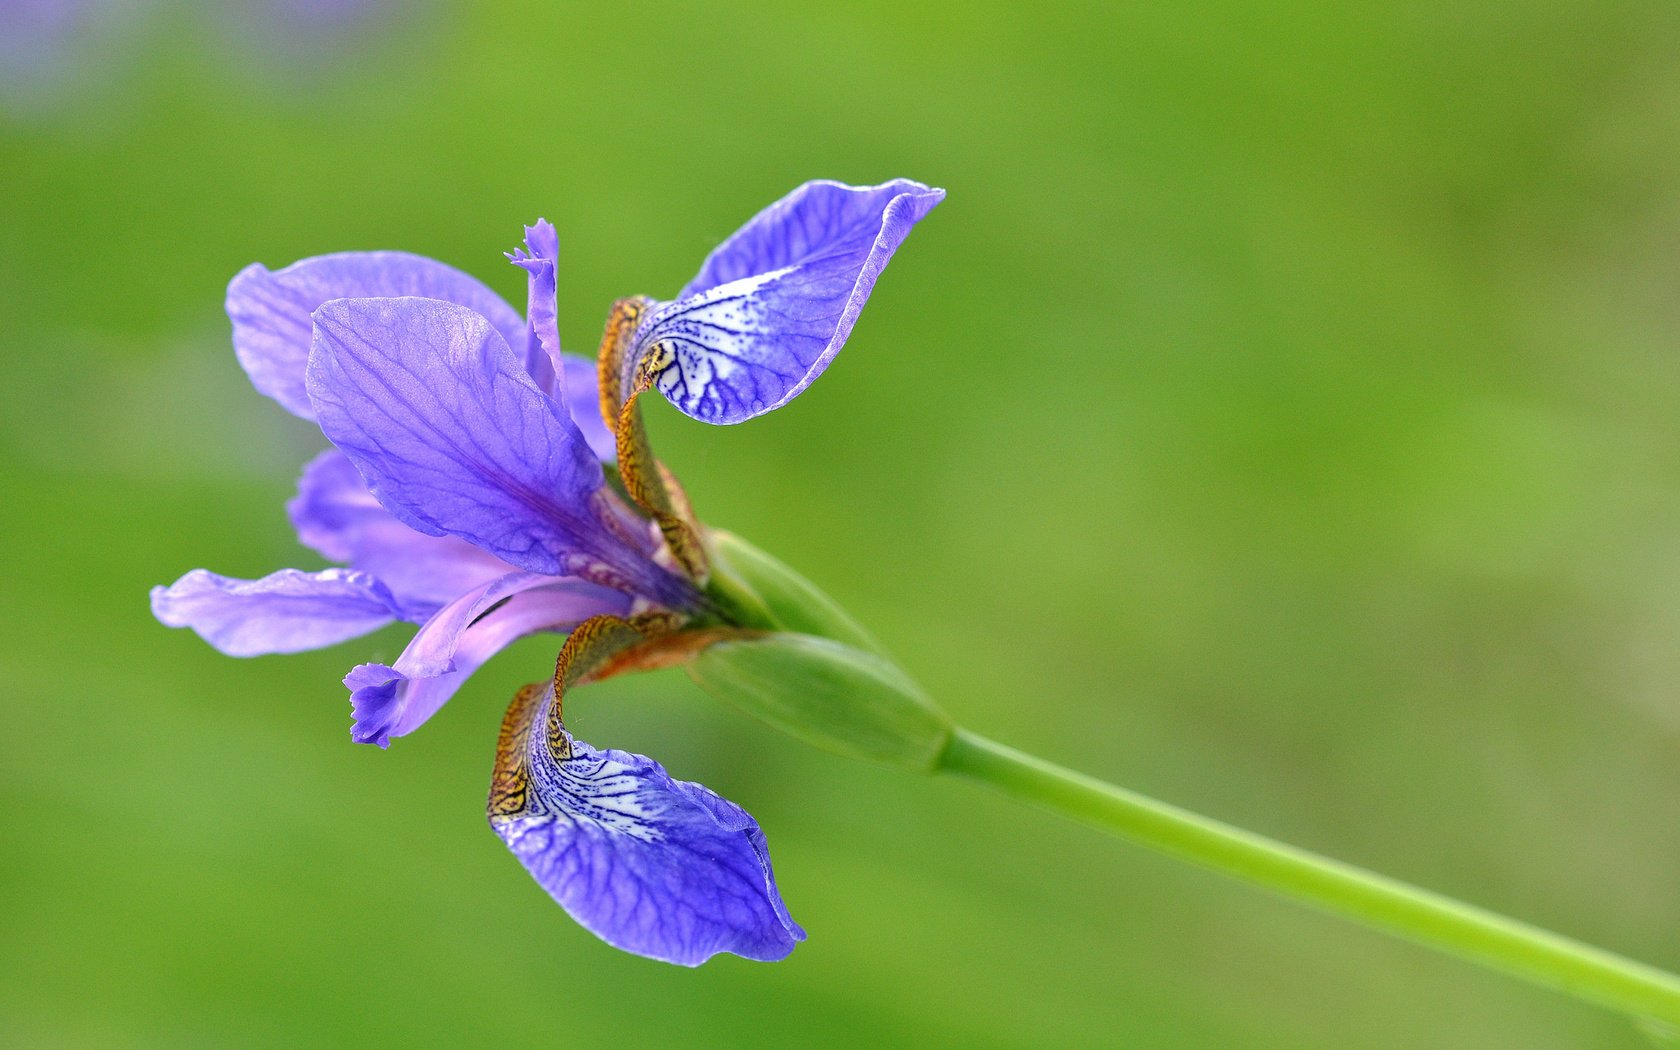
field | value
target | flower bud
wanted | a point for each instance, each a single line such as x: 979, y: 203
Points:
x: 792, y: 601
x: 827, y: 694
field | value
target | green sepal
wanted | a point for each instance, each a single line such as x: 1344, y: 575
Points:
x: 778, y: 597
x: 830, y: 695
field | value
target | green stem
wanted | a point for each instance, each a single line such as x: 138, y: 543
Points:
x: 755, y: 589
x: 1376, y: 901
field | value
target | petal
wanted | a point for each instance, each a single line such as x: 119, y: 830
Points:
x: 285, y: 612
x: 538, y: 259
x: 655, y: 489
x: 453, y: 436
x: 394, y: 700
x: 569, y: 378
x: 656, y: 866
x: 775, y: 302
x: 584, y: 403
x: 271, y: 311
x: 335, y: 514
x: 645, y: 480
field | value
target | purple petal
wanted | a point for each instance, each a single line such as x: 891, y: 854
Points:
x: 271, y: 310
x: 659, y: 867
x: 775, y: 302
x: 451, y: 433
x: 285, y: 612
x: 538, y: 259
x: 583, y: 400
x: 394, y: 700
x: 571, y: 380
x: 335, y: 514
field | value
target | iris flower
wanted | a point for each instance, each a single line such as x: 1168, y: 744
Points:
x: 486, y: 486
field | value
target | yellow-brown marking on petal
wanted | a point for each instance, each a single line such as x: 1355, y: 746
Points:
x: 647, y: 481
x: 609, y: 362
x: 590, y: 644
x: 654, y: 488
x: 669, y: 650
x: 510, y: 784
x: 586, y: 656
x: 598, y: 648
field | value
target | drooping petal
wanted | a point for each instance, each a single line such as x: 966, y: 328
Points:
x: 335, y: 514
x: 655, y: 489
x: 775, y: 302
x: 652, y: 865
x: 646, y: 481
x: 451, y: 433
x: 270, y: 310
x: 285, y: 612
x: 394, y: 700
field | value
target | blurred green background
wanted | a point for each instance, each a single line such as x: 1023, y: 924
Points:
x: 1278, y: 417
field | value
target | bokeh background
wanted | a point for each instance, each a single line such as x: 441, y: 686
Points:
x: 1278, y: 417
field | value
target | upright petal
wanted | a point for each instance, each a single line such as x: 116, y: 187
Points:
x: 451, y: 433
x: 656, y: 866
x: 335, y: 514
x: 568, y: 378
x: 285, y: 612
x: 270, y: 310
x: 775, y: 302
x: 394, y: 700
x: 539, y: 258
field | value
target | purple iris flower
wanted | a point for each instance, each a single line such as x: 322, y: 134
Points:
x: 470, y: 491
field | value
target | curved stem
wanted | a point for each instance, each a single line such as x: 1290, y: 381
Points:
x: 1374, y: 900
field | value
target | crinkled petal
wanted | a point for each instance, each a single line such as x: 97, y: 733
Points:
x: 452, y: 434
x: 570, y: 379
x: 335, y: 514
x: 539, y: 258
x: 656, y: 866
x: 775, y: 302
x: 270, y: 310
x: 394, y: 700
x: 285, y: 612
